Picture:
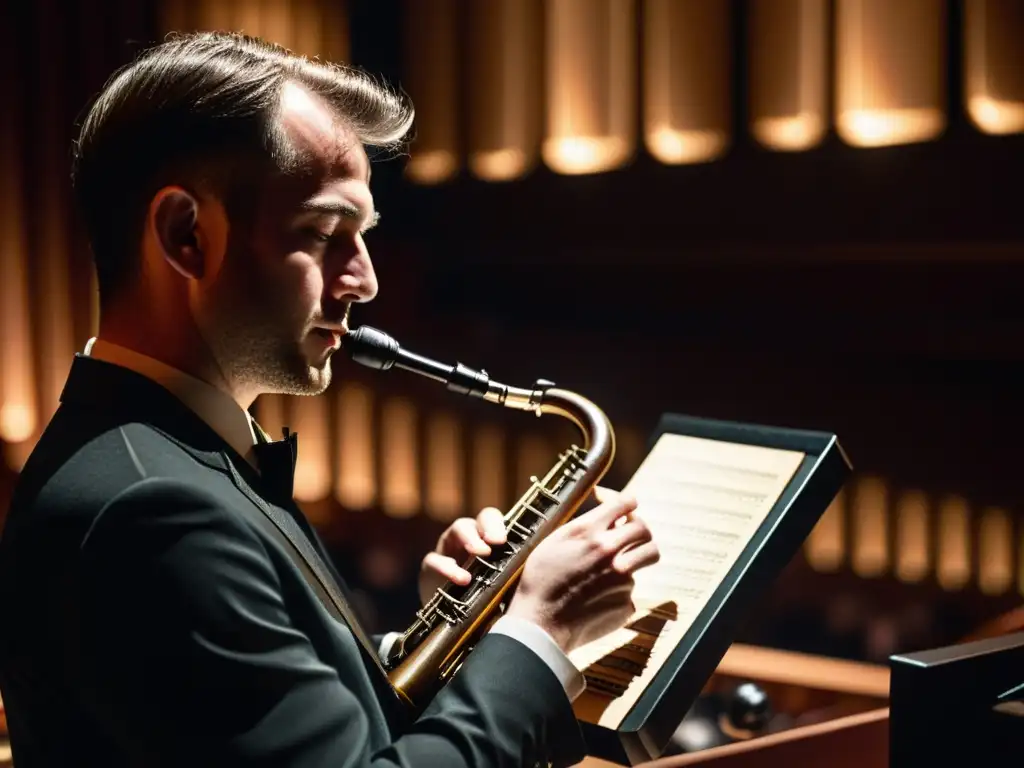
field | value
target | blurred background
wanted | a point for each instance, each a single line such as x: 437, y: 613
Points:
x: 805, y: 213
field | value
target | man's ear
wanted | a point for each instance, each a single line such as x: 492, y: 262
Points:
x: 174, y: 214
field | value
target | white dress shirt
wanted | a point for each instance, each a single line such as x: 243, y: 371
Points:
x: 235, y: 425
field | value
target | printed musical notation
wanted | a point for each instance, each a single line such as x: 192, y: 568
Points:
x: 703, y: 500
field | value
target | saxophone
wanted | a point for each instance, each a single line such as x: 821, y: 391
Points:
x: 432, y: 649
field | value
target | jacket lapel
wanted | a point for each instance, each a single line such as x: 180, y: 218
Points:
x: 98, y: 387
x: 283, y: 526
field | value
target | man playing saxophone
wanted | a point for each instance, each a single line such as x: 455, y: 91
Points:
x: 151, y: 617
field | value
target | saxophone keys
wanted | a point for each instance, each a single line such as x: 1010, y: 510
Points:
x: 521, y: 529
x: 547, y: 494
x: 453, y: 602
x: 534, y: 510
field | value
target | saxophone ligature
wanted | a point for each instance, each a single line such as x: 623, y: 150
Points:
x: 431, y: 650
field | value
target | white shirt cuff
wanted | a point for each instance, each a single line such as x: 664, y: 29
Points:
x: 534, y: 638
x: 541, y: 643
x: 385, y: 644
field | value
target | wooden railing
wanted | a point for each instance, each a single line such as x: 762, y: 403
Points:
x: 839, y: 706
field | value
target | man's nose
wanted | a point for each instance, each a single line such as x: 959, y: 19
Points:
x: 357, y: 281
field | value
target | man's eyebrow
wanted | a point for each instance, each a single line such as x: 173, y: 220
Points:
x: 342, y: 208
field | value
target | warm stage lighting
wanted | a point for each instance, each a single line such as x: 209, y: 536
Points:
x: 789, y: 134
x: 788, y: 73
x: 432, y: 166
x: 585, y: 154
x: 488, y: 468
x: 591, y: 96
x: 825, y: 548
x: 17, y: 422
x: 499, y: 164
x: 995, y: 552
x: 996, y: 117
x: 399, y: 436
x: 954, y: 544
x: 355, y: 483
x: 676, y: 147
x: 687, y: 98
x: 994, y: 65
x: 444, y: 470
x: 309, y: 419
x: 887, y: 127
x: 913, y: 553
x: 432, y: 79
x: 870, y: 551
x: 505, y: 88
x: 890, y: 63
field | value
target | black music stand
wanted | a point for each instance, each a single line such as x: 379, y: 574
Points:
x: 958, y: 705
x: 646, y: 731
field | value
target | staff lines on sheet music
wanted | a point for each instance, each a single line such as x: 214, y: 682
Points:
x: 708, y: 555
x: 686, y: 584
x: 728, y: 469
x: 684, y: 509
x: 696, y: 589
x: 703, y: 500
x: 689, y: 571
x: 651, y: 500
x: 730, y: 476
x: 689, y: 546
x: 709, y: 489
x: 684, y: 570
x: 693, y: 570
x: 706, y: 533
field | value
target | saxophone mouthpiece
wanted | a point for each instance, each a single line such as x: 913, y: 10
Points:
x: 371, y: 347
x: 376, y: 349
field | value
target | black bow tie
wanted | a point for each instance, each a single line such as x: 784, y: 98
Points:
x: 276, y: 459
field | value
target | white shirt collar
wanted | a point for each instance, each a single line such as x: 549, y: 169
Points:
x: 216, y: 408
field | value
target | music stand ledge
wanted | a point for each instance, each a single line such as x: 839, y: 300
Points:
x: 958, y: 705
x: 646, y: 730
x: 858, y: 739
x: 855, y: 741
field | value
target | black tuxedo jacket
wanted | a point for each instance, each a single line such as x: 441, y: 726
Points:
x: 150, y: 617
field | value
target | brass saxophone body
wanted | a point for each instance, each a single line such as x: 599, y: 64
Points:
x: 445, y: 630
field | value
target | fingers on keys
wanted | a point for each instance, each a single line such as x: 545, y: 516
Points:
x: 491, y: 525
x: 446, y: 567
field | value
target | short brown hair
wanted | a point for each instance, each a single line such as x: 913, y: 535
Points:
x: 197, y: 104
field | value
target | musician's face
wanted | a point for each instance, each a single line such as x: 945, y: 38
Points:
x: 294, y: 270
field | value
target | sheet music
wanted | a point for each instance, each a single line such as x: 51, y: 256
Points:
x: 703, y: 500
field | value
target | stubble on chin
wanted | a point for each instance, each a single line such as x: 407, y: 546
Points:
x: 318, y: 378
x: 269, y: 363
x: 287, y: 370
x: 257, y: 340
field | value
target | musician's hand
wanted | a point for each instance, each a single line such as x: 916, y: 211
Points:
x: 577, y: 584
x: 465, y: 537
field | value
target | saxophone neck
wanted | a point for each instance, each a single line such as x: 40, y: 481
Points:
x: 518, y: 398
x: 375, y: 349
x: 593, y: 423
x: 545, y: 398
